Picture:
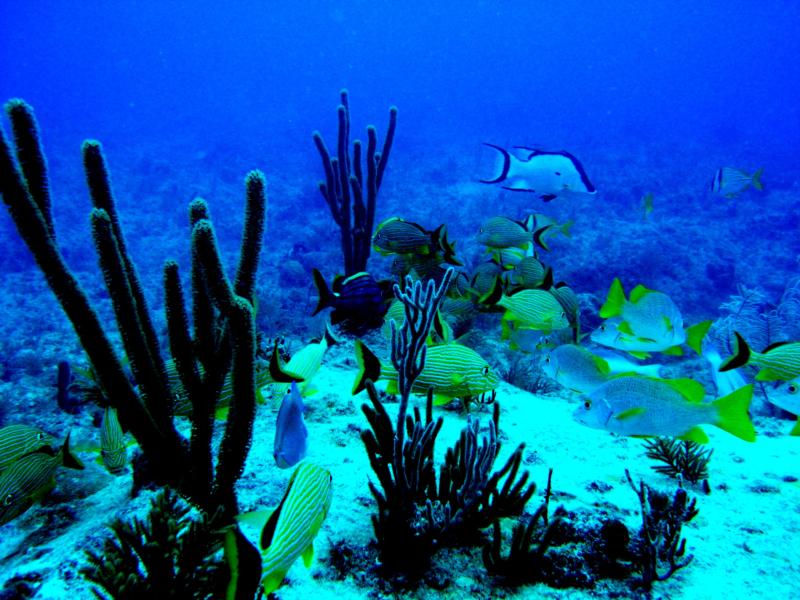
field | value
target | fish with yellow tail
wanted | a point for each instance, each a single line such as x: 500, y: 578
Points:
x: 452, y: 370
x: 18, y: 440
x: 287, y: 532
x: 113, y: 449
x: 305, y: 363
x: 648, y: 406
x: 31, y: 477
x: 778, y: 362
x: 729, y: 182
x: 527, y: 309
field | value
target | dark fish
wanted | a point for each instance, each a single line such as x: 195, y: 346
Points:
x: 291, y: 435
x: 358, y: 300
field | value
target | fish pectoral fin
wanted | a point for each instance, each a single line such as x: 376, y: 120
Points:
x: 639, y: 354
x: 695, y: 434
x: 308, y: 555
x: 625, y: 327
x: 673, y: 351
x: 768, y: 375
x: 796, y: 429
x: 441, y: 399
x: 456, y: 379
x: 695, y: 335
x: 629, y: 413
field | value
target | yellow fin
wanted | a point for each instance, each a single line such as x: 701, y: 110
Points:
x: 673, y: 351
x: 796, y: 429
x: 614, y: 301
x: 638, y: 293
x: 768, y: 375
x: 273, y: 581
x: 695, y: 434
x: 625, y: 327
x: 688, y: 388
x: 695, y: 335
x: 441, y: 399
x: 732, y: 413
x: 639, y: 354
x: 308, y: 555
x: 630, y: 413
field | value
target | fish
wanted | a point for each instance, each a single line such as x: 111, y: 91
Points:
x: 358, y: 300
x: 644, y: 406
x: 502, y: 232
x: 550, y: 225
x: 291, y: 435
x: 18, y: 440
x: 726, y: 381
x: 531, y: 340
x: 305, y: 363
x: 529, y: 309
x: 289, y: 530
x: 452, y: 370
x: 113, y: 449
x: 648, y: 321
x: 786, y: 396
x: 484, y: 276
x: 619, y: 364
x: 581, y: 370
x: 549, y: 175
x: 729, y: 182
x: 440, y: 331
x: 647, y: 204
x: 398, y: 236
x: 531, y: 273
x: 777, y: 362
x: 31, y: 477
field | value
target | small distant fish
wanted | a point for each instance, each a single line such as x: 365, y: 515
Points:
x: 113, y: 449
x: 778, y: 362
x: 291, y: 435
x: 290, y: 529
x: 549, y: 175
x: 730, y: 182
x: 398, y: 236
x: 648, y: 321
x: 452, y: 370
x: 31, y: 477
x: 359, y: 299
x: 18, y: 440
x: 647, y: 204
x: 643, y: 406
x: 528, y: 309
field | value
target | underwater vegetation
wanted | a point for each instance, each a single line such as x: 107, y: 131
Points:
x: 682, y: 458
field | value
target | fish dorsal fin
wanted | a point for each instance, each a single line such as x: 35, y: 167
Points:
x: 688, y: 388
x: 629, y: 413
x: 695, y: 434
x: 614, y: 301
x: 773, y: 346
x: 600, y: 363
x: 696, y: 334
x: 639, y: 292
x: 276, y: 370
x: 547, y: 282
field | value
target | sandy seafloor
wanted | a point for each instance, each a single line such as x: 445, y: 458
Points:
x: 743, y: 540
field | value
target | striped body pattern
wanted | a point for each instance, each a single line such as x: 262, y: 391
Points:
x: 18, y: 440
x: 25, y: 481
x: 305, y: 363
x: 778, y: 363
x: 113, y: 450
x: 291, y: 529
x: 534, y: 309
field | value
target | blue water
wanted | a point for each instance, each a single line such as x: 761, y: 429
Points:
x: 187, y: 97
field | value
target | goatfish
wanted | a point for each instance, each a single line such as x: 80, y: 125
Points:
x: 31, y: 477
x: 648, y: 321
x: 305, y: 363
x: 398, y: 236
x: 452, y: 370
x: 730, y: 182
x: 644, y: 406
x: 582, y: 371
x: 113, y: 449
x: 528, y: 309
x: 778, y: 362
x: 358, y: 298
x: 291, y: 435
x: 290, y: 529
x: 18, y: 440
x: 549, y: 175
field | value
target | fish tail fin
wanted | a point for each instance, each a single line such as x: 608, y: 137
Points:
x: 330, y: 339
x: 696, y: 334
x: 276, y: 371
x: 530, y: 222
x: 566, y: 228
x: 614, y: 301
x: 494, y: 295
x: 756, y: 180
x: 504, y: 166
x: 796, y: 429
x: 369, y: 367
x: 272, y: 581
x: 325, y: 295
x: 741, y: 354
x: 68, y: 459
x: 538, y: 237
x: 732, y: 413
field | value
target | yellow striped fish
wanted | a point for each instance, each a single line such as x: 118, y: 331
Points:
x: 778, y: 362
x: 18, y: 440
x: 528, y: 309
x: 452, y: 370
x: 305, y: 363
x: 30, y: 478
x: 113, y: 450
x: 290, y: 529
x: 502, y: 232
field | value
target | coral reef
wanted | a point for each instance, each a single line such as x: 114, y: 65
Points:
x: 224, y: 336
x: 682, y: 458
x: 350, y: 198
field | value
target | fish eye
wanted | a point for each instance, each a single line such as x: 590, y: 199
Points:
x: 485, y: 370
x: 547, y: 359
x: 40, y: 436
x: 587, y: 404
x: 602, y: 327
x: 8, y: 500
x: 792, y: 388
